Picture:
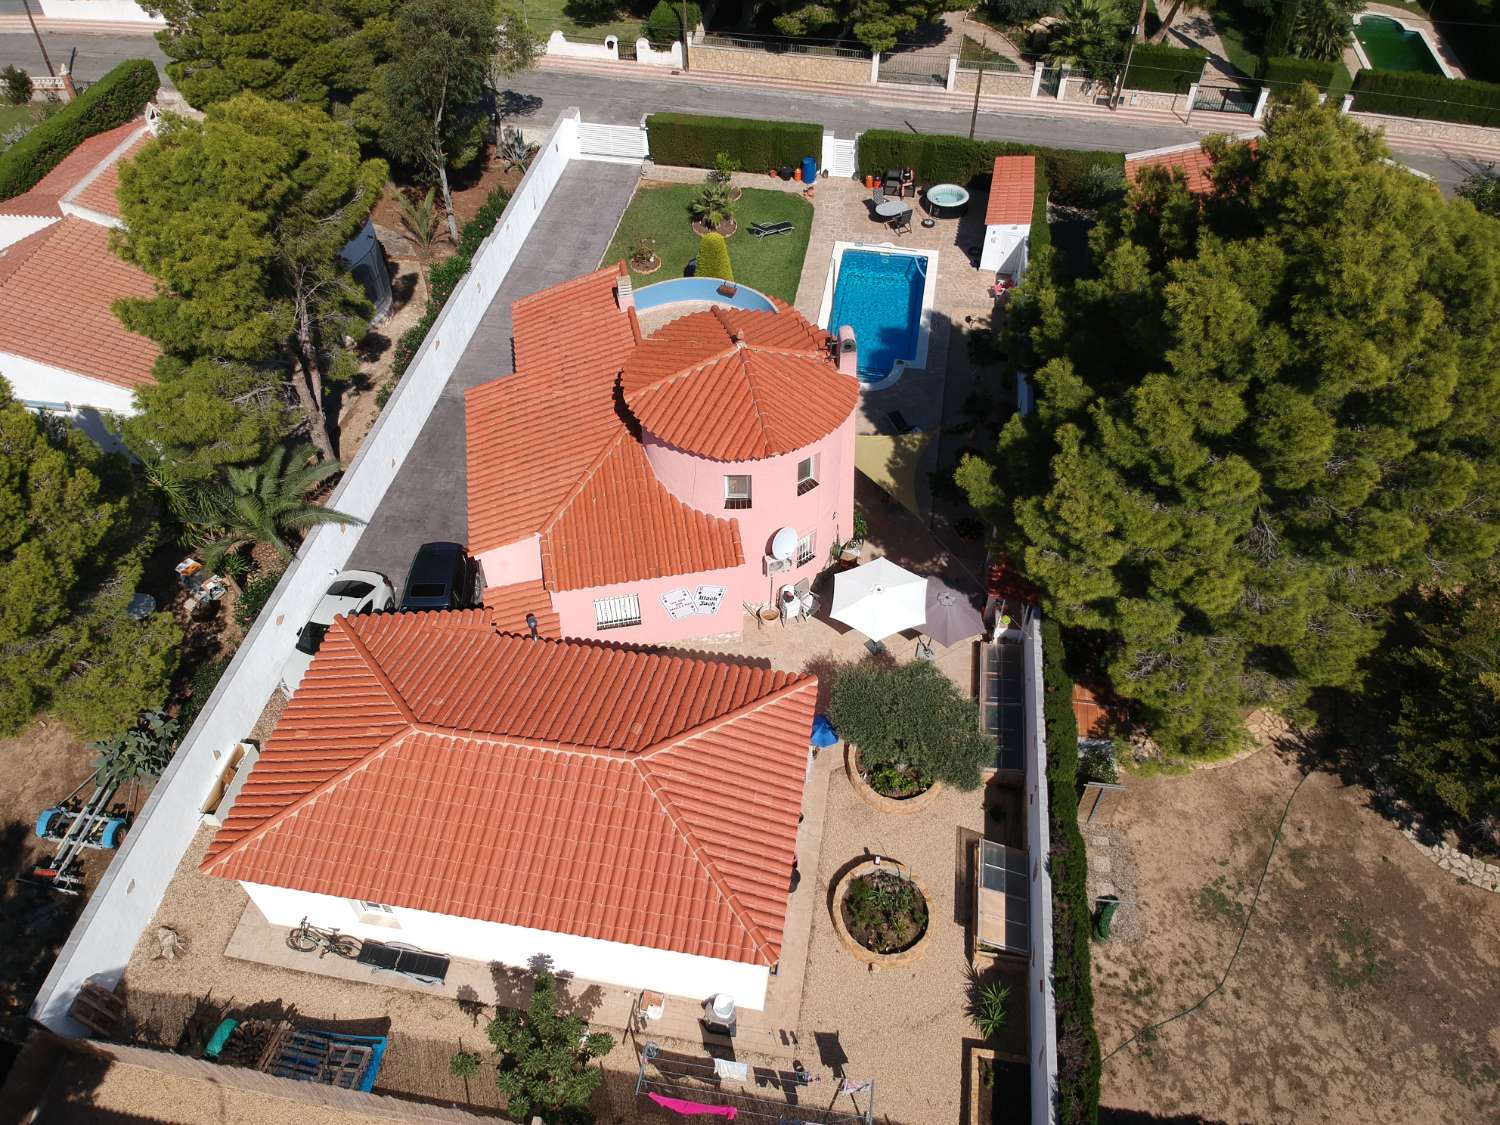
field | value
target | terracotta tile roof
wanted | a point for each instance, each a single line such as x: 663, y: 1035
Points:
x: 738, y: 386
x: 428, y: 761
x: 509, y: 605
x: 1012, y: 192
x: 1191, y: 160
x: 550, y: 454
x: 99, y: 193
x: 42, y: 198
x: 57, y: 295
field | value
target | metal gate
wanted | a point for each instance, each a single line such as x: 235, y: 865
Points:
x: 1051, y: 80
x: 1226, y: 99
x: 915, y: 68
x: 621, y: 144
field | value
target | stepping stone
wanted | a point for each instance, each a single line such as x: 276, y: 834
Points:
x: 1099, y: 863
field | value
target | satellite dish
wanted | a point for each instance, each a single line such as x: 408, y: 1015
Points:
x: 784, y: 544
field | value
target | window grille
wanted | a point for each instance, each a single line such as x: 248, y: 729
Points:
x: 618, y: 612
x: 806, y: 547
x: 737, y: 491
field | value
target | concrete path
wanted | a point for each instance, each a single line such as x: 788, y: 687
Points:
x: 427, y: 501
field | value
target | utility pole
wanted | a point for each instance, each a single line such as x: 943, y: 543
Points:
x: 1135, y: 33
x: 32, y: 21
x: 685, y: 36
x: 978, y: 84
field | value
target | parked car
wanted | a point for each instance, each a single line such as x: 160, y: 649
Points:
x: 351, y: 592
x: 442, y: 576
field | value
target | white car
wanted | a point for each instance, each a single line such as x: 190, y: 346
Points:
x: 352, y: 592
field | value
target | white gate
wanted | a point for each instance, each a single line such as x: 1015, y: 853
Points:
x: 617, y: 144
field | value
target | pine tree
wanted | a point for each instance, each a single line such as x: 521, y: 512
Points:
x: 73, y: 534
x: 1268, y: 414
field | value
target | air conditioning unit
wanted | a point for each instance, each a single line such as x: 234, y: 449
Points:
x: 776, y: 566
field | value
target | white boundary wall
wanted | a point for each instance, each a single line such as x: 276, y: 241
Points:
x: 128, y: 895
x: 108, y: 11
x: 650, y: 56
x: 1041, y: 1004
x: 557, y: 44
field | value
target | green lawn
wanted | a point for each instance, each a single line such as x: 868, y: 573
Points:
x: 772, y: 265
x: 1243, y: 31
x: 971, y: 50
x: 13, y: 115
x: 586, y: 20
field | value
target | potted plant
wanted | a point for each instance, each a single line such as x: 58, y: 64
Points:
x: 712, y: 210
x: 725, y: 166
x: 856, y: 541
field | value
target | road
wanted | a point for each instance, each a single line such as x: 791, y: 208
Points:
x: 610, y: 99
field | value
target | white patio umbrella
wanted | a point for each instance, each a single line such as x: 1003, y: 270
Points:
x: 879, y: 598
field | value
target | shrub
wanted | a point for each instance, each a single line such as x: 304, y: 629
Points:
x: 1427, y: 95
x: 1285, y: 72
x: 1168, y: 70
x: 713, y: 257
x: 663, y: 26
x: 253, y: 598
x: 206, y: 677
x: 712, y: 206
x: 912, y: 717
x: 18, y: 85
x: 692, y: 141
x: 115, y: 99
x: 1077, y: 1040
x: 1019, y: 11
x: 987, y: 1008
x: 142, y: 751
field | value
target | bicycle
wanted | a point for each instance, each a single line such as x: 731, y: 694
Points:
x: 305, y: 938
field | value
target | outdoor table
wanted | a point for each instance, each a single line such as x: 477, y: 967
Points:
x: 892, y: 209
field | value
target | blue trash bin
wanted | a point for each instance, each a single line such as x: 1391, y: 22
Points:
x: 809, y: 170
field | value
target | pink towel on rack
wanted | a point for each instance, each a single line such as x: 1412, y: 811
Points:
x: 688, y: 1109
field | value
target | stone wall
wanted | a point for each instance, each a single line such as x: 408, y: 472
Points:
x: 1003, y: 82
x: 765, y: 64
x: 1485, y: 876
x: 1437, y: 130
x: 1152, y: 99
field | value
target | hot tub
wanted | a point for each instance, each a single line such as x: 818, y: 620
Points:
x: 947, y: 201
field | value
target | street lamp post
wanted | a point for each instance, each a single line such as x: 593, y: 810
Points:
x: 32, y: 21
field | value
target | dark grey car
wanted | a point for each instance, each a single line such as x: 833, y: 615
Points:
x: 442, y: 576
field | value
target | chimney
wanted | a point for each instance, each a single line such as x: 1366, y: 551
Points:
x: 625, y: 292
x: 848, y: 352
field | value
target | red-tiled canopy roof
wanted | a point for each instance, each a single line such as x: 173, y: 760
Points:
x: 550, y: 453
x: 1012, y: 192
x: 43, y: 197
x: 1191, y: 160
x: 57, y: 287
x: 735, y: 385
x: 428, y: 761
x: 98, y: 194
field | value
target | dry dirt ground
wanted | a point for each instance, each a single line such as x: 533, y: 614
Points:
x: 1368, y: 987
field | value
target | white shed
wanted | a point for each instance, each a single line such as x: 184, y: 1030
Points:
x: 1007, y: 218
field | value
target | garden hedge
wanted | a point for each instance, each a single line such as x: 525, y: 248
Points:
x: 939, y: 158
x: 1285, y: 72
x: 1078, y: 1061
x: 1039, y: 248
x: 1161, y: 69
x: 116, y: 98
x: 691, y: 141
x: 1431, y: 96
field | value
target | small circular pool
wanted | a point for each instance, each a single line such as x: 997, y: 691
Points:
x: 947, y: 201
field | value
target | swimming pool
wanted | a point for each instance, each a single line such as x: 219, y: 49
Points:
x: 879, y: 294
x: 1387, y: 45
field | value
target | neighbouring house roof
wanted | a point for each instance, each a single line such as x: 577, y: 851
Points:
x: 43, y: 198
x: 98, y: 193
x: 735, y: 385
x: 431, y: 762
x: 1191, y: 160
x: 56, y: 287
x: 1012, y: 192
x: 552, y: 453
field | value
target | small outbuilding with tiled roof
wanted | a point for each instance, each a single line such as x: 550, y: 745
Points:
x: 1007, y: 217
x: 631, y: 485
x: 631, y: 815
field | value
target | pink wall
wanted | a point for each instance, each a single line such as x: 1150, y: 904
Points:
x: 520, y: 561
x: 575, y: 608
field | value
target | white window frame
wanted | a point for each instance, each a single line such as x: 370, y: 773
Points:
x: 734, y: 499
x: 807, y: 548
x: 375, y: 914
x: 618, y: 612
x: 374, y: 907
x: 808, y: 481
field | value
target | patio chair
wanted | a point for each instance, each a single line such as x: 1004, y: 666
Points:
x: 901, y: 224
x: 877, y: 196
x: 765, y: 230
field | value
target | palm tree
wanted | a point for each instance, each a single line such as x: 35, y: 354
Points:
x: 262, y: 503
x: 712, y: 205
x: 1179, y: 6
x: 1089, y: 34
x: 420, y: 218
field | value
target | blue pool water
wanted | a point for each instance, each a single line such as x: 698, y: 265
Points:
x: 880, y: 297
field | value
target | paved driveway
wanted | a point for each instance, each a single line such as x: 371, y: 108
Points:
x: 427, y: 499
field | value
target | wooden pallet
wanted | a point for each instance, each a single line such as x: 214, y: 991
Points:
x: 99, y: 1010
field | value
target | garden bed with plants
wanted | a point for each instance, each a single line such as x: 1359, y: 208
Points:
x: 660, y: 219
x: 894, y: 787
x: 880, y: 912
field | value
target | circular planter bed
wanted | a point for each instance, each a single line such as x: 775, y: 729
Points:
x: 726, y: 228
x: 646, y: 266
x: 881, y: 914
x: 890, y: 797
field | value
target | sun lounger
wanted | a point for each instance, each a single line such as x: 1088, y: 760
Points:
x: 764, y: 230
